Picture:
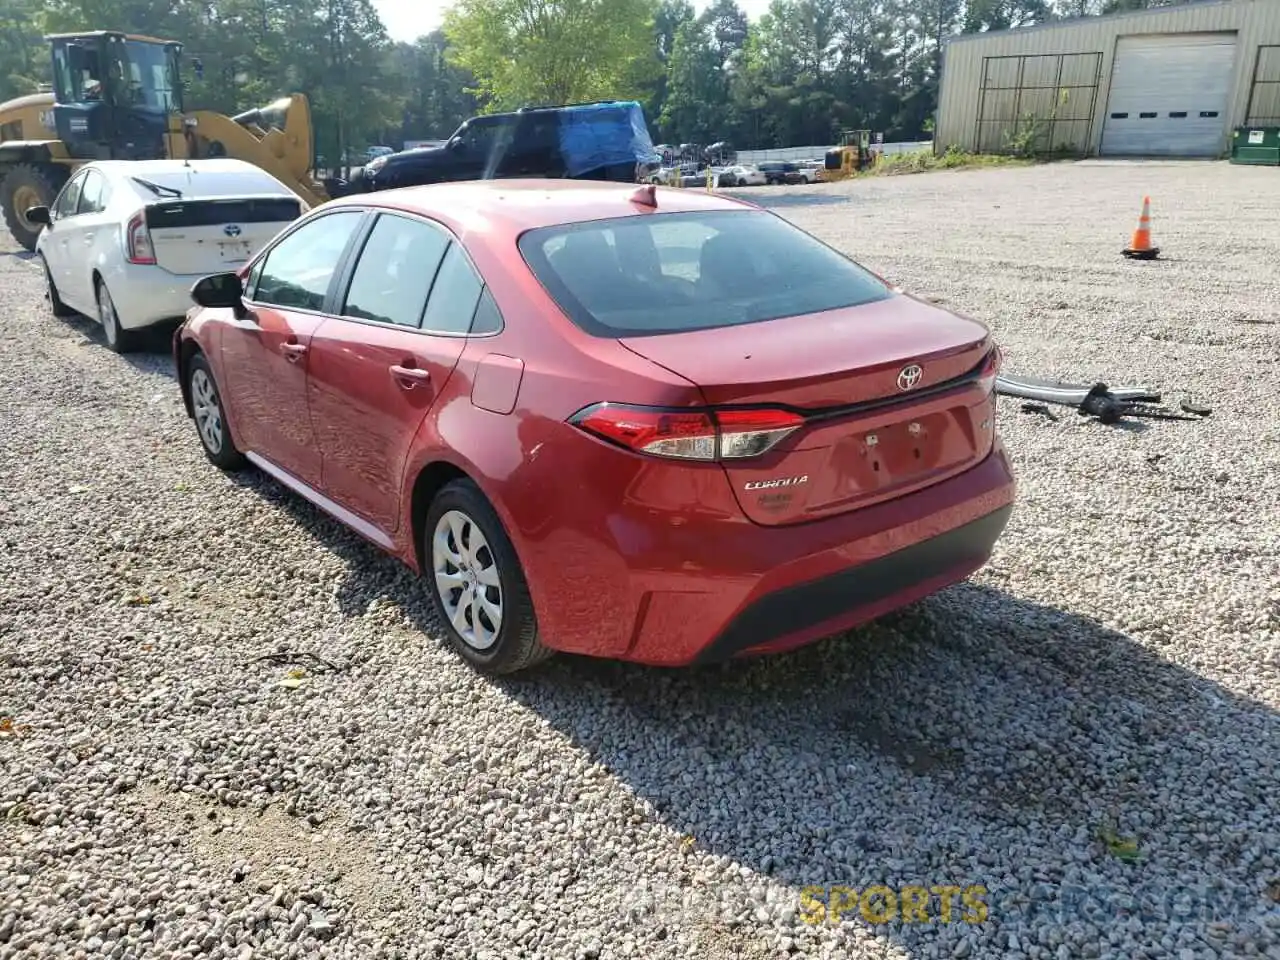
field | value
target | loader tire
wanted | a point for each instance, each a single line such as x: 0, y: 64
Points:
x: 23, y: 187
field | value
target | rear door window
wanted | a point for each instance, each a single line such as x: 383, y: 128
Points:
x: 666, y: 273
x: 394, y: 273
x: 298, y: 270
x: 454, y: 296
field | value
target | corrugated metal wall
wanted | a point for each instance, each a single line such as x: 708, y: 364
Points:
x: 1037, y: 53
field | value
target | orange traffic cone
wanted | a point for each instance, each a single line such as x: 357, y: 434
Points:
x: 1140, y: 247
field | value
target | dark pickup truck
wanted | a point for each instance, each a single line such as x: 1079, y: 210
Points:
x: 592, y: 141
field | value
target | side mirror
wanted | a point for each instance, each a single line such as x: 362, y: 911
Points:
x: 222, y: 290
x: 37, y: 215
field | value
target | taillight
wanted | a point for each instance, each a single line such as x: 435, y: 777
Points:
x: 990, y: 369
x: 137, y: 241
x: 688, y: 434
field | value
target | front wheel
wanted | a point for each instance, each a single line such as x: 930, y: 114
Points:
x: 56, y: 306
x: 210, y: 416
x: 476, y: 583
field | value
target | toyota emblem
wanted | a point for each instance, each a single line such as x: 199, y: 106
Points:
x: 231, y: 230
x: 909, y: 376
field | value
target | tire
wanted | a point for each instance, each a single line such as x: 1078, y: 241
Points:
x: 460, y: 510
x: 210, y: 416
x: 56, y: 306
x: 118, y: 339
x: 20, y: 186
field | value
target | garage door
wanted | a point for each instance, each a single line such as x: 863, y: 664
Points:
x: 1169, y: 96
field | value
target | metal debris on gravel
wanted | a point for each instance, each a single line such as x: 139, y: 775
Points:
x: 1088, y: 729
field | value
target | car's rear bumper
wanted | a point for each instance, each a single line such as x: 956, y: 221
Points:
x: 768, y: 589
x: 792, y: 616
x: 146, y: 295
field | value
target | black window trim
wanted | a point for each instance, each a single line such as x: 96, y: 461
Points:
x: 82, y: 174
x: 564, y: 300
x: 343, y: 259
x: 338, y: 293
x: 105, y: 190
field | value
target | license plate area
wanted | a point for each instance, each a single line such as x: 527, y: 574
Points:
x: 234, y: 251
x: 903, y: 452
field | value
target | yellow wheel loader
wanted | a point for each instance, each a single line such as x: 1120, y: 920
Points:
x: 855, y: 153
x: 118, y: 96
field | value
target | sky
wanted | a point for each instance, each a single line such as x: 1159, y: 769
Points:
x: 409, y: 19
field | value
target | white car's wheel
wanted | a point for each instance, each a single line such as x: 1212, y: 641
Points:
x: 118, y: 339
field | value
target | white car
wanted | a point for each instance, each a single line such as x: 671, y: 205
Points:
x: 125, y: 240
x: 742, y: 175
x: 810, y: 170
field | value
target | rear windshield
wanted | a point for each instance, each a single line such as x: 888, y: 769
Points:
x: 668, y: 273
x: 212, y: 213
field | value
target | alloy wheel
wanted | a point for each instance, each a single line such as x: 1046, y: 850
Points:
x: 107, y: 315
x: 466, y: 574
x: 208, y: 415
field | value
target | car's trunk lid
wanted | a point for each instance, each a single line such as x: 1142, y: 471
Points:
x: 873, y: 430
x: 215, y: 234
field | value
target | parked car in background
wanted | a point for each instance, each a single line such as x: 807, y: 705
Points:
x: 624, y: 421
x: 594, y: 141
x: 810, y: 170
x: 742, y: 175
x: 374, y: 152
x: 666, y: 175
x: 780, y: 171
x: 125, y: 239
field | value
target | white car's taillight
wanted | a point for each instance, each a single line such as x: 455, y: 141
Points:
x: 137, y: 241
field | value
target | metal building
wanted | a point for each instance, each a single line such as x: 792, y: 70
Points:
x: 1170, y: 81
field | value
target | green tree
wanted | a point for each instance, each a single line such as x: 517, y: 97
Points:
x: 666, y: 21
x: 24, y: 62
x: 554, y: 51
x: 431, y: 91
x: 696, y: 89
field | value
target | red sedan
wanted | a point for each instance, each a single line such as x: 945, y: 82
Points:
x: 642, y: 423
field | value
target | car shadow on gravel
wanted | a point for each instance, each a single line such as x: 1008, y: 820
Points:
x: 152, y: 353
x: 974, y: 738
x: 971, y: 730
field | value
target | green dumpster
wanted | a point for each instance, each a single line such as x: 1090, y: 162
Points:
x: 1259, y: 146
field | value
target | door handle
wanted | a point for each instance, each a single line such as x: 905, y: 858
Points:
x: 409, y: 377
x: 293, y: 351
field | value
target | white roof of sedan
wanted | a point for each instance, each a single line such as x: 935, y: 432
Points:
x: 199, y: 178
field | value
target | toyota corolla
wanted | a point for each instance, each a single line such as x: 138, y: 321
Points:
x: 631, y: 422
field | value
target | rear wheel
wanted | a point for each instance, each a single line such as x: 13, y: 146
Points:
x: 24, y: 187
x: 118, y: 339
x: 476, y: 583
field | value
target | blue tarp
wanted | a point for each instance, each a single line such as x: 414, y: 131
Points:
x: 603, y: 134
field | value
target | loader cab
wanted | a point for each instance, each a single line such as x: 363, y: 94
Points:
x: 114, y: 94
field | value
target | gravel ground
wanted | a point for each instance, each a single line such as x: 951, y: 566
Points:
x: 1087, y: 729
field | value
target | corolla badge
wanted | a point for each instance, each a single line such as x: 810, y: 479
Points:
x: 773, y: 484
x: 231, y: 230
x: 909, y: 376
